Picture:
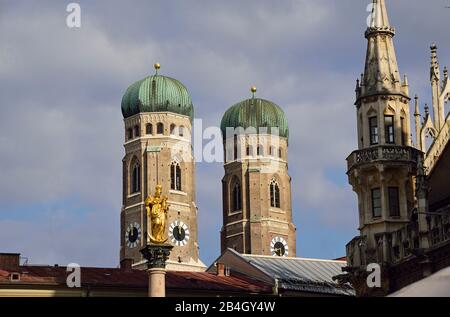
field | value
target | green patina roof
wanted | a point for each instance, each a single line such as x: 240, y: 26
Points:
x: 157, y: 93
x: 257, y: 113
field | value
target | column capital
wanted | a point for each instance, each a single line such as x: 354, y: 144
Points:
x: 156, y: 255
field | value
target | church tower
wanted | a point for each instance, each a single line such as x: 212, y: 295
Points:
x: 256, y: 188
x: 158, y: 114
x: 383, y: 169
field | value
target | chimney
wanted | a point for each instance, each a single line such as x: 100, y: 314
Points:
x: 9, y: 261
x: 126, y: 264
x: 220, y: 269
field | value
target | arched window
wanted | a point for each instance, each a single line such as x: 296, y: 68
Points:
x: 129, y: 134
x: 136, y: 131
x: 172, y: 129
x: 236, y: 198
x: 181, y: 131
x: 149, y: 128
x: 280, y: 153
x: 175, y: 176
x: 274, y: 194
x: 136, y: 178
x: 273, y: 151
x: 160, y: 128
x: 260, y: 150
x: 249, y: 150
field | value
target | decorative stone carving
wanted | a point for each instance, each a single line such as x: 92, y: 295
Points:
x: 156, y: 255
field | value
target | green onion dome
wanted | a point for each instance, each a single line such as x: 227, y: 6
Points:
x: 257, y: 113
x: 157, y: 93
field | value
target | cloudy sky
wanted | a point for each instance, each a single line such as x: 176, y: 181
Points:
x: 61, y: 128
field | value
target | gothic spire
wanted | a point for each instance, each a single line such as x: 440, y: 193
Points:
x: 379, y: 18
x: 381, y: 75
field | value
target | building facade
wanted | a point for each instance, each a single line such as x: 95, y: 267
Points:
x: 256, y: 187
x: 158, y: 114
x: 400, y: 228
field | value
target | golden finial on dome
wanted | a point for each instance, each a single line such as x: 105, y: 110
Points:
x: 253, y: 90
x: 157, y: 67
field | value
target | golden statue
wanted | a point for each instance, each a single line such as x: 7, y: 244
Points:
x: 157, y: 208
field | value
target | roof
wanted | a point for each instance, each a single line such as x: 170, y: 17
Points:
x: 208, y: 281
x: 256, y: 113
x: 157, y: 93
x: 292, y: 274
x: 436, y: 285
x: 138, y: 279
x: 310, y: 275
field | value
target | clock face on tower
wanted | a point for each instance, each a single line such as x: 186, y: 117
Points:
x: 179, y: 233
x: 133, y: 235
x: 279, y: 247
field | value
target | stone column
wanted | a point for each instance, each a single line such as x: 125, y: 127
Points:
x: 156, y: 256
x: 157, y: 282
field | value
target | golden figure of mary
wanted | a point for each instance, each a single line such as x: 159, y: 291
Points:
x: 157, y: 208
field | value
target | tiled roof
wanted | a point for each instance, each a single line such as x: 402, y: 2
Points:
x: 120, y: 278
x: 208, y: 281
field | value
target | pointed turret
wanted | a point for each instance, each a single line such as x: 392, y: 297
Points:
x: 379, y: 18
x: 435, y: 78
x: 418, y: 125
x: 381, y: 75
x: 416, y: 108
x: 382, y: 180
x: 435, y: 70
x: 405, y: 85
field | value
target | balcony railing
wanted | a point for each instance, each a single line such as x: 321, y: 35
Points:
x: 401, y: 243
x: 383, y: 153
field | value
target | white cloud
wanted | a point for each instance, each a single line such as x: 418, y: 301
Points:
x: 60, y: 89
